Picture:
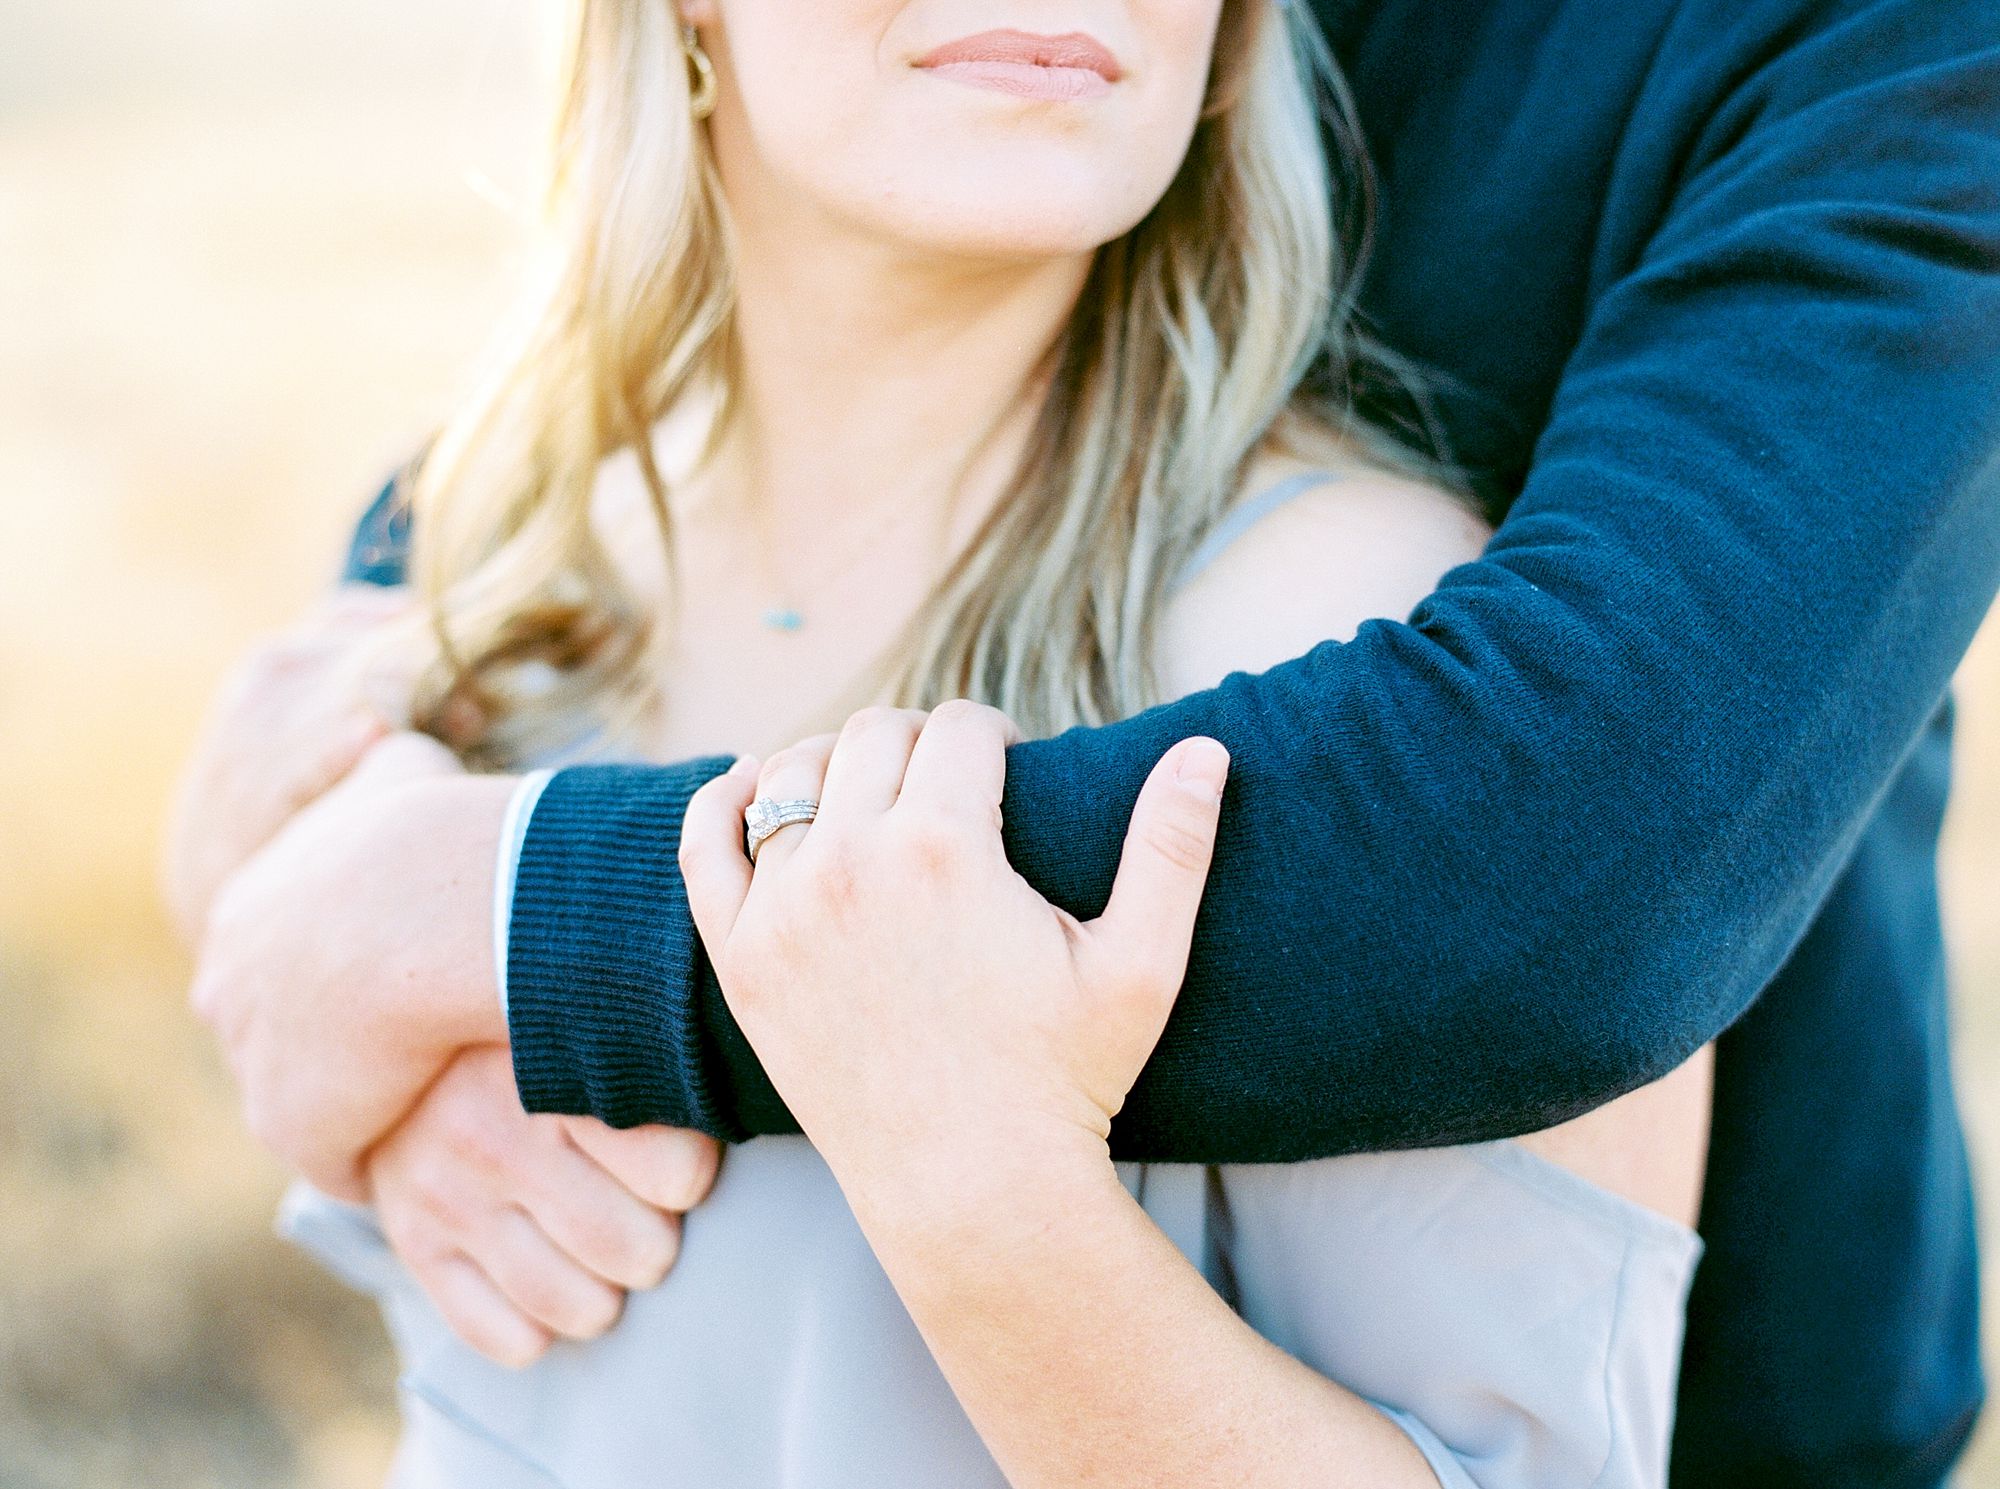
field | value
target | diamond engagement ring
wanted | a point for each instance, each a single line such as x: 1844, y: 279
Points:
x: 762, y: 818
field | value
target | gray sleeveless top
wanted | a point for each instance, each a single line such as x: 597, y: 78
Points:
x: 1519, y: 1323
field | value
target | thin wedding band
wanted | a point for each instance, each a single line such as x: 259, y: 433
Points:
x: 762, y: 818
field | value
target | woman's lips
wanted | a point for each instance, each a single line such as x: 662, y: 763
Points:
x: 1074, y: 65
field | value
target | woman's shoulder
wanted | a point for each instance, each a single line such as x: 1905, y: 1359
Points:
x: 1324, y: 541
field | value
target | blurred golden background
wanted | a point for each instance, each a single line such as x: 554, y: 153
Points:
x: 247, y: 253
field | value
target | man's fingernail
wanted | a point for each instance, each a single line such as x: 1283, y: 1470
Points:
x: 1203, y: 767
x: 746, y: 765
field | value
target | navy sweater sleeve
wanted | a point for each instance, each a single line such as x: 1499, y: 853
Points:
x: 1484, y: 869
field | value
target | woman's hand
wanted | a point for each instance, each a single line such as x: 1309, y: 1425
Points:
x: 933, y: 1023
x: 289, y: 722
x: 956, y: 1047
x: 528, y: 1228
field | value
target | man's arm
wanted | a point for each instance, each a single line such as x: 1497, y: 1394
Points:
x: 1489, y: 868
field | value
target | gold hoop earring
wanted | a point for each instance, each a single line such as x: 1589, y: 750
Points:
x: 701, y: 85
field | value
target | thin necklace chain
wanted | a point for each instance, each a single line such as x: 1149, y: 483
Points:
x: 784, y: 613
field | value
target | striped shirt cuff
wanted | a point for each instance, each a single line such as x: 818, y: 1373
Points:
x: 513, y: 833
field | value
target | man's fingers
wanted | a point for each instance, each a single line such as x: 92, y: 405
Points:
x: 1150, y: 918
x: 960, y: 762
x: 363, y: 605
x: 593, y: 1217
x: 670, y: 1167
x: 713, y: 867
x: 324, y: 767
x: 403, y: 756
x: 479, y: 1313
x: 544, y: 1281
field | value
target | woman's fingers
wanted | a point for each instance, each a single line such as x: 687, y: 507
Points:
x: 671, y: 1167
x: 713, y: 865
x: 865, y: 771
x: 795, y: 774
x: 1149, y: 921
x: 959, y: 765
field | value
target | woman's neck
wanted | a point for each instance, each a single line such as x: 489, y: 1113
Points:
x: 872, y: 380
x: 868, y: 386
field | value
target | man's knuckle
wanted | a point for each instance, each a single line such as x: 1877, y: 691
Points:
x: 474, y: 1140
x: 654, y: 1256
x: 540, y: 1291
x: 596, y: 1309
x: 570, y: 1306
x: 695, y: 1173
x: 501, y: 1333
x: 446, y: 1203
x: 519, y: 1350
x: 630, y: 1252
x: 678, y: 1178
x: 599, y: 1228
x: 415, y: 1231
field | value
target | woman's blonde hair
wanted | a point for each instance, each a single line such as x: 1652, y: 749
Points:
x: 1186, y: 354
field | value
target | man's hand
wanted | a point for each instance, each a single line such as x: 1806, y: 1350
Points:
x: 290, y: 721
x: 524, y: 1229
x: 352, y: 956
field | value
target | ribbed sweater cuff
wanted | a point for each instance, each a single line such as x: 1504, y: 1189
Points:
x: 604, y: 970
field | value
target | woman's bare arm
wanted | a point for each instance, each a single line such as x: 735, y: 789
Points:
x: 958, y: 1066
x: 1089, y: 1351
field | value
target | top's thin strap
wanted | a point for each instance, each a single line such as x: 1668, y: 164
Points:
x: 1245, y: 515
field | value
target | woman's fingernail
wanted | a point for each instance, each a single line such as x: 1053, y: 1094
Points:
x: 1203, y: 767
x: 746, y: 765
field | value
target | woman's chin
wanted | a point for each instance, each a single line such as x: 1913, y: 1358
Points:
x: 991, y: 226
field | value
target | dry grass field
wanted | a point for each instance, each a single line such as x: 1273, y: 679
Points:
x: 246, y: 252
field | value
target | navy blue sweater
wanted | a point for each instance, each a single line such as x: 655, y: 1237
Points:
x: 1712, y: 290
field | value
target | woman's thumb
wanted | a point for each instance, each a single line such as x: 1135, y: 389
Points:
x: 1150, y: 917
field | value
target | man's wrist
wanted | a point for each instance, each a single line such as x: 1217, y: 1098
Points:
x: 454, y: 826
